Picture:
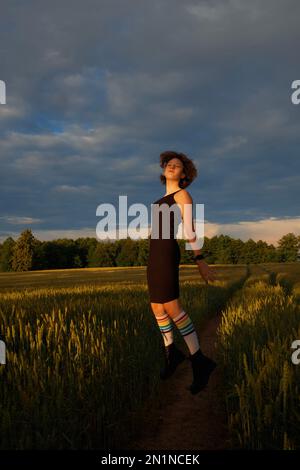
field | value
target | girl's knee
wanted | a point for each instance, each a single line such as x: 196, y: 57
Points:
x: 173, y: 308
x: 158, y: 309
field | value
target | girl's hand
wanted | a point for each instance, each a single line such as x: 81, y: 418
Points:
x: 206, y: 272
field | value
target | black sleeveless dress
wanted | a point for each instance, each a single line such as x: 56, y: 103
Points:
x: 164, y: 255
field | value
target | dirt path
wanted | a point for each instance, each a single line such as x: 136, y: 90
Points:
x: 185, y: 421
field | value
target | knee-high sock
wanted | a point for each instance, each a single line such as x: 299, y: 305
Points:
x: 186, y: 328
x: 166, y: 328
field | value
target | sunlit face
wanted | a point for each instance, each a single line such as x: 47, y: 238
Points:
x: 174, y: 169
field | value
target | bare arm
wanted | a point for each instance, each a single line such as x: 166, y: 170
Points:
x: 185, y: 202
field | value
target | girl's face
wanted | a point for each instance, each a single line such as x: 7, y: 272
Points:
x: 174, y: 170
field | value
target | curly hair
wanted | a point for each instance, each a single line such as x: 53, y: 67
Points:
x: 188, y: 167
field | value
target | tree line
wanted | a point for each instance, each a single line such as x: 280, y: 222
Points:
x: 27, y: 253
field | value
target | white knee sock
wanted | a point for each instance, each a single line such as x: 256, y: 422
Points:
x: 166, y: 328
x: 186, y: 328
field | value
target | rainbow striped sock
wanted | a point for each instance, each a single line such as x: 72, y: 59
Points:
x: 186, y: 328
x: 166, y: 328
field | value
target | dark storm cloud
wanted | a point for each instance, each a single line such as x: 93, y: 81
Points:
x: 97, y: 89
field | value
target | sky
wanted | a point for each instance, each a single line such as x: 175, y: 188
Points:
x: 96, y: 90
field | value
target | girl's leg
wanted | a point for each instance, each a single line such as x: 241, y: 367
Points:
x: 164, y: 323
x: 173, y: 355
x: 202, y: 366
x: 184, y: 324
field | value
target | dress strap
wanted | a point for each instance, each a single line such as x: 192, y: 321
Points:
x: 171, y: 194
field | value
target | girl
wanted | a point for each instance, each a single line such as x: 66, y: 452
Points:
x: 163, y: 271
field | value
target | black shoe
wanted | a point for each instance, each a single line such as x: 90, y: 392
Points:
x: 173, y: 357
x: 202, y: 367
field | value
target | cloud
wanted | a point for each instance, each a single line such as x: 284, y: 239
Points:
x: 15, y: 220
x: 229, y: 143
x: 64, y: 188
x: 96, y: 91
x: 269, y: 230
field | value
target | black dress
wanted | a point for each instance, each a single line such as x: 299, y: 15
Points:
x: 164, y: 256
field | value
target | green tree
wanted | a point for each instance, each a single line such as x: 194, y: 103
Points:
x: 78, y: 263
x: 262, y: 249
x: 7, y: 254
x: 104, y: 254
x: 237, y: 247
x: 129, y: 253
x: 210, y: 249
x: 288, y: 247
x: 83, y: 246
x: 185, y: 255
x: 250, y: 252
x: 272, y: 255
x: 225, y: 253
x: 23, y: 253
x: 143, y: 251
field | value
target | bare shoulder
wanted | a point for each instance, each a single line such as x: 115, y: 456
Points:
x: 183, y: 196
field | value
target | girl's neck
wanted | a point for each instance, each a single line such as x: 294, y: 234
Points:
x: 171, y: 190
